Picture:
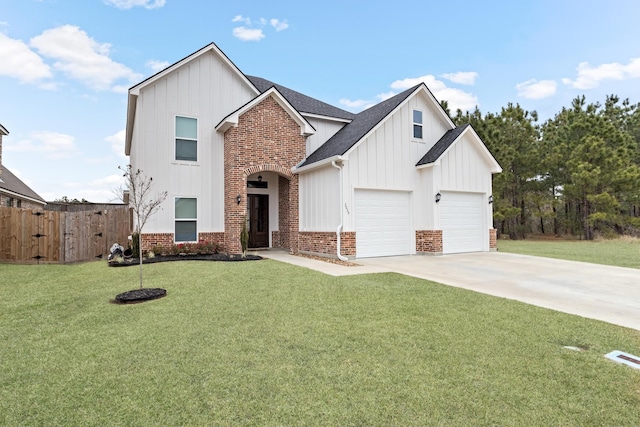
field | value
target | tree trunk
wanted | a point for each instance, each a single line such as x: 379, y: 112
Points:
x: 140, y: 255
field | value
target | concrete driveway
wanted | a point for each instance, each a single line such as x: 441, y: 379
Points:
x: 611, y: 294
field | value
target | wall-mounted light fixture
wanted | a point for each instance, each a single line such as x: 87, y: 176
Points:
x: 238, y: 198
x: 259, y: 178
x: 438, y: 197
x: 491, y: 199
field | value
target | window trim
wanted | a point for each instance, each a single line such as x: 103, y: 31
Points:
x: 176, y: 220
x: 175, y: 138
x: 419, y: 124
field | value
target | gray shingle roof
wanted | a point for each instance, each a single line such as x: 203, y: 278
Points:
x: 10, y: 182
x: 441, y: 146
x: 363, y: 122
x: 302, y: 103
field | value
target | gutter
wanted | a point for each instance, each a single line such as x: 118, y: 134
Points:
x: 339, y: 229
x: 333, y: 159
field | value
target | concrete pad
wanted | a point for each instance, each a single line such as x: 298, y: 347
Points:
x: 318, y: 265
x: 601, y: 292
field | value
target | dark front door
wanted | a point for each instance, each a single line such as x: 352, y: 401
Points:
x: 258, y: 218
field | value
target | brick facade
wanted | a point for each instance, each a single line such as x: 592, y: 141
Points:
x: 165, y: 240
x: 24, y: 204
x: 429, y: 241
x: 266, y: 139
x: 325, y: 243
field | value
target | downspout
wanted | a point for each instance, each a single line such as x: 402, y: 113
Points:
x: 339, y: 230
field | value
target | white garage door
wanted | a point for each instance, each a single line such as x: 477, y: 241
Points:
x: 461, y: 220
x: 383, y: 223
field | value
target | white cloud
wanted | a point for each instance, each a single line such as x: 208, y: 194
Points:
x: 456, y: 98
x: 240, y: 18
x: 254, y: 31
x: 117, y: 143
x: 97, y: 190
x: 81, y: 57
x: 128, y: 4
x: 590, y: 77
x: 52, y: 144
x: 156, y: 65
x: 461, y: 77
x: 358, y: 104
x: 534, y: 89
x: 384, y: 96
x: 248, y: 34
x: 279, y: 25
x: 18, y: 61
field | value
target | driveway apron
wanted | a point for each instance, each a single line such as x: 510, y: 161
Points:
x: 601, y: 292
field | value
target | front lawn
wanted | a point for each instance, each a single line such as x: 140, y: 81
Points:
x: 623, y: 252
x: 266, y: 343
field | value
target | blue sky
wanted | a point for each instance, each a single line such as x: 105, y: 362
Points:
x: 66, y: 65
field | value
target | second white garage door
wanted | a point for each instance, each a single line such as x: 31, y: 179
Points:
x: 461, y: 220
x: 383, y: 223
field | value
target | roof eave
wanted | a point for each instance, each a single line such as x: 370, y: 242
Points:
x: 22, y: 196
x: 316, y: 165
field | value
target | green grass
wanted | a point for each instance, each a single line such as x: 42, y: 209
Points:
x: 265, y: 343
x: 624, y: 252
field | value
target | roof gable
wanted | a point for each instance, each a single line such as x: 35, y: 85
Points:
x: 3, y: 130
x: 450, y: 138
x: 233, y: 118
x: 134, y: 91
x: 368, y: 121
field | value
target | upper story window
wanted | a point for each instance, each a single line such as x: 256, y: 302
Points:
x: 417, y: 124
x: 186, y: 138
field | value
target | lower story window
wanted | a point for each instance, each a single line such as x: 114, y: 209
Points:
x: 186, y: 212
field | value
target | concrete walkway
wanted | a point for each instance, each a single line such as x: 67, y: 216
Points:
x: 611, y: 294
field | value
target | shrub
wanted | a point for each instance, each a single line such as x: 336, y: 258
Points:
x: 201, y: 248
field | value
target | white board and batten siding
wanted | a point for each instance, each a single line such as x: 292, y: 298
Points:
x: 383, y: 223
x: 206, y: 89
x: 325, y: 129
x: 319, y: 204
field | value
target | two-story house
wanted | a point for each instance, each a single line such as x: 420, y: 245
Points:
x: 398, y: 178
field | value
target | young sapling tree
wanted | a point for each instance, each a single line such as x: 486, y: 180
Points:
x: 139, y: 187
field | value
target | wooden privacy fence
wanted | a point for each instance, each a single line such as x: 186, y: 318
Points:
x: 62, y: 233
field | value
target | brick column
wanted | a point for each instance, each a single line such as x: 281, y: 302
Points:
x: 429, y: 241
x: 493, y: 239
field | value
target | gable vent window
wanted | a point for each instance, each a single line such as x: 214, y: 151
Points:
x: 186, y: 139
x: 417, y: 124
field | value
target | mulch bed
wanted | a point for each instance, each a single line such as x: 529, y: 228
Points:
x: 140, y: 295
x: 185, y: 257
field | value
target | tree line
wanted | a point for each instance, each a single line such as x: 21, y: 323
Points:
x: 577, y: 174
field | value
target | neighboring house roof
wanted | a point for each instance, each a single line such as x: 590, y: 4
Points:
x: 3, y: 130
x: 435, y: 154
x: 12, y: 185
x: 233, y: 118
x: 361, y: 125
x: 301, y: 102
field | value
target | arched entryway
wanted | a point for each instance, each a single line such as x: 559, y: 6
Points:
x: 267, y: 198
